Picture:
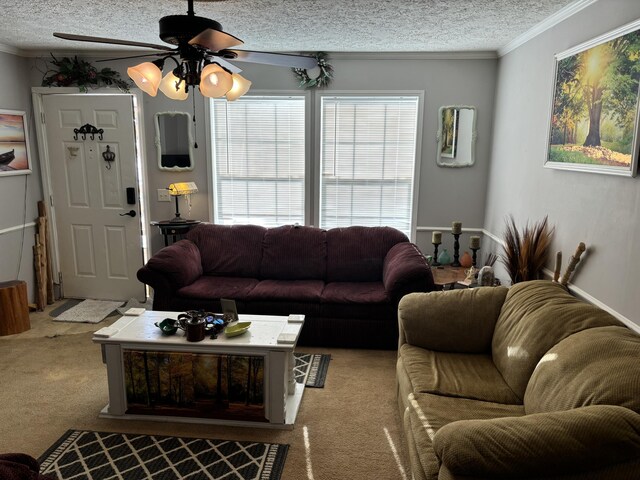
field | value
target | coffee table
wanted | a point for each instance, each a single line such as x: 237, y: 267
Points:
x: 242, y: 380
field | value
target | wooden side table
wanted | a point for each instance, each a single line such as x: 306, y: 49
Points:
x: 446, y: 277
x: 14, y: 310
x: 174, y: 230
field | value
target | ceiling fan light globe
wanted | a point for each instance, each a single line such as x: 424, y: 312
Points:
x: 168, y: 87
x: 215, y: 81
x: 240, y: 86
x: 146, y: 76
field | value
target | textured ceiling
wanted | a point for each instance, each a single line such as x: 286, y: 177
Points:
x: 281, y: 25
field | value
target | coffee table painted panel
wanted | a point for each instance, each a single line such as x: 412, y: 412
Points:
x: 282, y: 395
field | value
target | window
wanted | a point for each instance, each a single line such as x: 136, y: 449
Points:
x: 259, y: 160
x: 367, y: 161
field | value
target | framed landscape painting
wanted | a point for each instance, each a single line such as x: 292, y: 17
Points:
x: 14, y: 143
x: 594, y: 112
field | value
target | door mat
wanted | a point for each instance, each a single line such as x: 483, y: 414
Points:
x: 88, y: 311
x: 72, y: 302
x: 311, y: 368
x: 89, y: 455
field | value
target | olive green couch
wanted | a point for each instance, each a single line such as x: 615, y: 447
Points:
x: 525, y: 382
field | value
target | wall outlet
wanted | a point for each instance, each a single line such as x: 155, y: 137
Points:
x: 163, y: 195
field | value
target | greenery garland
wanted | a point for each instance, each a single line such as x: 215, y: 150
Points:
x: 72, y: 71
x: 322, y: 80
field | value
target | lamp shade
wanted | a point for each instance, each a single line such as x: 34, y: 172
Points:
x: 168, y: 87
x: 146, y: 76
x: 182, y: 188
x: 240, y: 86
x: 215, y: 81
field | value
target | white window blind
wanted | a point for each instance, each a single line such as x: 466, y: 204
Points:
x: 368, y: 151
x: 259, y: 160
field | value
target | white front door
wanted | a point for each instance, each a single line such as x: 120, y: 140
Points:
x: 99, y: 247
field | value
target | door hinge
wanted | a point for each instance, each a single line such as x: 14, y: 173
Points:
x: 51, y: 200
x: 42, y: 117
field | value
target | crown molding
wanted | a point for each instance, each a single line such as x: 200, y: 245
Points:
x: 545, y: 25
x: 453, y: 55
x: 11, y: 50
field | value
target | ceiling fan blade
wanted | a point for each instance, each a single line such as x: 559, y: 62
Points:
x: 113, y: 41
x: 215, y: 40
x: 223, y: 63
x: 279, y: 59
x: 132, y: 56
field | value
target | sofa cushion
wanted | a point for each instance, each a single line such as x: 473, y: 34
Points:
x: 288, y: 290
x: 208, y: 287
x: 294, y: 253
x: 429, y: 413
x: 356, y: 254
x: 354, y: 292
x: 229, y: 250
x: 576, y: 443
x: 599, y: 366
x: 535, y: 316
x: 453, y: 374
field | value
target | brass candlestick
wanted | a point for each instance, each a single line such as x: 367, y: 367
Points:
x: 456, y: 250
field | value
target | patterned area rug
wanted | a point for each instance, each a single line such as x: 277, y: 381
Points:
x: 86, y: 455
x: 88, y: 311
x: 311, y: 369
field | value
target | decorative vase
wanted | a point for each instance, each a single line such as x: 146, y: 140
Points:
x: 466, y: 261
x: 444, y: 258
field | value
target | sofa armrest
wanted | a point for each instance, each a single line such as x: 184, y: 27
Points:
x: 405, y: 270
x: 459, y: 321
x: 173, y: 267
x: 540, y: 445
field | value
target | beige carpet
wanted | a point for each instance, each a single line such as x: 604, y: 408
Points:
x: 52, y: 379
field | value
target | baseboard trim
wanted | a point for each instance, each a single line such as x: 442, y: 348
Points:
x: 447, y: 229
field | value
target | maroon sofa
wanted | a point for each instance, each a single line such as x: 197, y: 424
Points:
x: 347, y: 281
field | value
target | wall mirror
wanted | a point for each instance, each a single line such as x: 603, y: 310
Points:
x: 456, y: 136
x: 174, y: 141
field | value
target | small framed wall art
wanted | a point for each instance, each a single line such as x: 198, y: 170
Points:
x: 15, y: 156
x: 594, y: 111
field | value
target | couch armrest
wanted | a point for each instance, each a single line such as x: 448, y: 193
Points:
x: 540, y: 445
x: 405, y: 270
x: 173, y: 267
x: 459, y: 321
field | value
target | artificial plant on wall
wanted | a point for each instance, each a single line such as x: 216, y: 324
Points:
x: 66, y: 72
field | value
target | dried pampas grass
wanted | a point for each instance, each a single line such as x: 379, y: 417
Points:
x: 526, y: 254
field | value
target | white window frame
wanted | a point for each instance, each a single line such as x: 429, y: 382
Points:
x: 418, y: 153
x: 210, y: 132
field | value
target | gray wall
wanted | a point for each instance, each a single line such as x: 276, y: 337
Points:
x: 600, y: 210
x: 446, y: 194
x: 15, y: 94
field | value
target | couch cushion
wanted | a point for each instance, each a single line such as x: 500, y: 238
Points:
x: 356, y: 254
x: 288, y: 290
x: 348, y: 292
x: 208, y: 287
x: 229, y: 250
x: 534, y: 317
x: 429, y: 413
x: 453, y: 374
x: 294, y: 253
x: 599, y: 366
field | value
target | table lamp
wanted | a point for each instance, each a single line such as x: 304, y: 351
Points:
x: 179, y: 189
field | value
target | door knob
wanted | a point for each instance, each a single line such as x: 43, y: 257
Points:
x: 131, y: 213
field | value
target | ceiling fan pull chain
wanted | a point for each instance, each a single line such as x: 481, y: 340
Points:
x: 195, y: 130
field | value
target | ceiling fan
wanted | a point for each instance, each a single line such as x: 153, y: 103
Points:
x: 202, y: 54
